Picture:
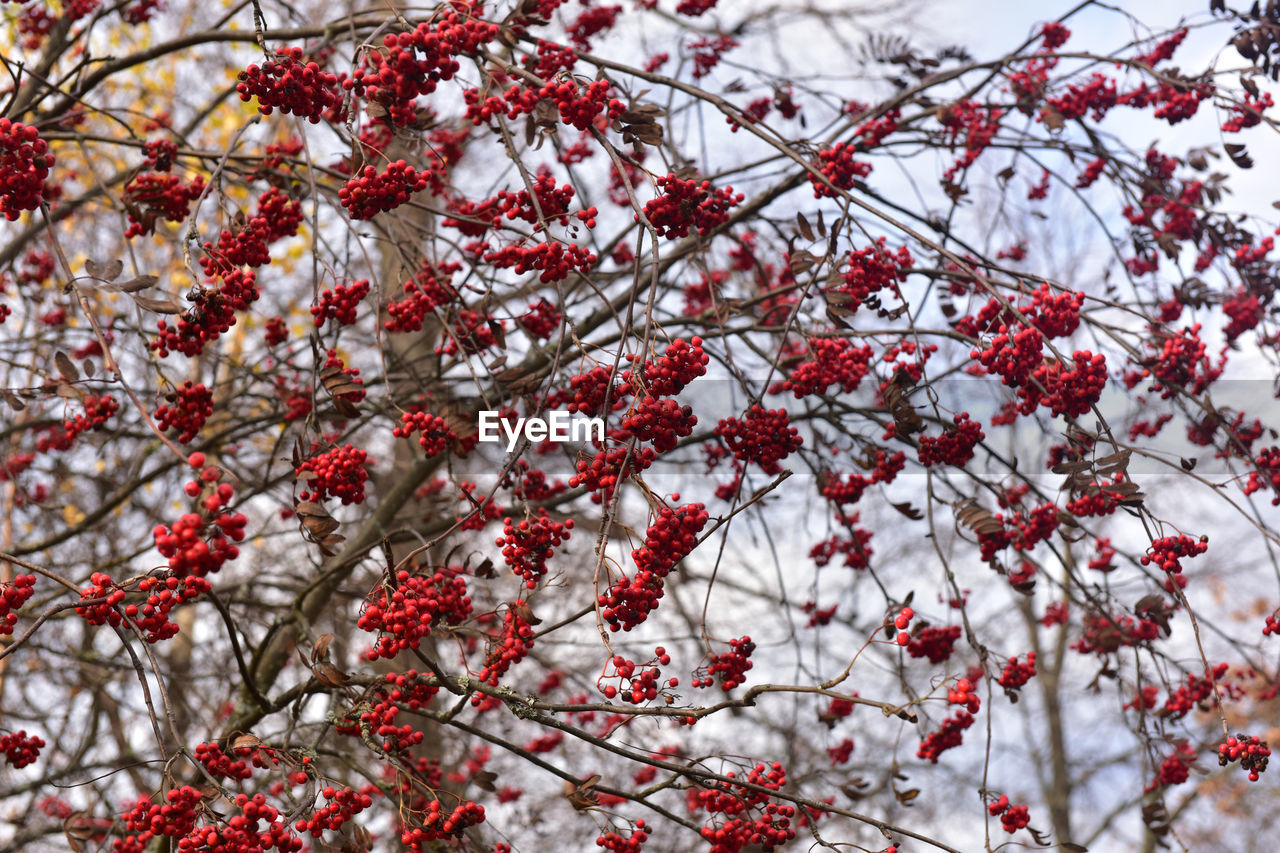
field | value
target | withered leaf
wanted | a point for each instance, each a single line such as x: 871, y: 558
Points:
x: 909, y: 511
x: 13, y: 400
x: 484, y: 780
x: 66, y: 366
x: 78, y: 828
x: 320, y: 651
x: 109, y: 271
x: 581, y: 796
x: 160, y: 306
x: 977, y: 518
x: 330, y: 676
x: 245, y: 740
x: 905, y: 797
x: 806, y: 230
x: 524, y: 612
x: 1238, y: 155
x: 133, y: 285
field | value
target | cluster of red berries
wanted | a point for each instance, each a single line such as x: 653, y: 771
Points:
x: 641, y: 688
x: 20, y: 749
x: 437, y: 826
x: 511, y: 647
x: 542, y: 320
x: 177, y: 818
x: 838, y: 166
x: 374, y: 192
x: 429, y: 288
x: 1167, y: 552
x: 528, y: 545
x: 661, y: 422
x: 1181, y: 362
x: 973, y: 122
x: 841, y: 752
x: 1098, y: 499
x: 934, y: 643
x: 185, y: 546
x: 900, y: 623
x: 220, y: 765
x: 694, y: 8
x: 1175, y: 769
x: 607, y: 468
x: 1017, y: 674
x: 552, y: 203
x: 832, y: 361
x: 580, y: 108
x: 1195, y: 693
x: 1248, y: 113
x: 343, y: 804
x: 153, y: 196
x: 1104, y: 634
x: 849, y: 490
x: 1066, y: 392
x: 407, y: 613
x: 399, y: 690
x: 97, y: 411
x: 1268, y: 474
x: 855, y: 546
x: 680, y: 364
x: 436, y: 434
x: 1057, y: 315
x: 949, y: 736
x: 764, y: 437
x: 671, y: 536
x: 106, y: 596
x: 12, y: 596
x: 1012, y: 818
x: 1245, y: 312
x: 277, y: 216
x: 731, y: 666
x: 1012, y: 355
x: 552, y: 58
x: 707, y: 53
x: 1097, y: 96
x: 964, y: 694
x: 591, y: 21
x: 1249, y: 750
x: 24, y: 166
x: 186, y: 409
x: 164, y: 594
x: 871, y: 270
x: 289, y: 85
x: 160, y: 153
x: 555, y: 259
x: 413, y: 63
x: 615, y: 842
x: 340, y: 303
x: 212, y: 313
x: 1023, y: 531
x: 338, y: 473
x: 689, y: 204
x: 772, y: 829
x: 953, y: 447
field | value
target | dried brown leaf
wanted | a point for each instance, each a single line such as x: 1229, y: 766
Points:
x: 66, y: 366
